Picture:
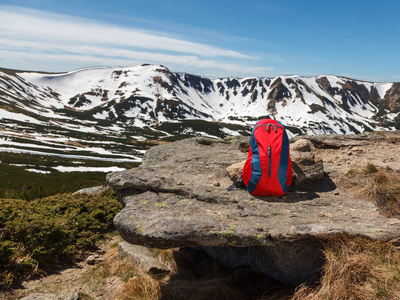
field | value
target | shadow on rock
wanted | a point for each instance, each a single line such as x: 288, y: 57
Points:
x: 197, y: 275
x: 291, y: 197
x: 305, y: 191
x: 317, y: 186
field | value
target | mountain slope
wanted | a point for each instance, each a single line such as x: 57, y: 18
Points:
x: 148, y: 94
x: 109, y: 106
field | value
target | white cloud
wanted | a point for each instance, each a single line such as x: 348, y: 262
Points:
x: 39, y: 26
x: 31, y: 36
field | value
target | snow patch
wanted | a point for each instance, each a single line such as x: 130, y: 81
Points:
x: 5, y: 114
x: 38, y: 171
x: 87, y: 169
x: 382, y: 88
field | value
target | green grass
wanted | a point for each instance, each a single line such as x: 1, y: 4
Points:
x: 17, y: 183
x: 370, y: 169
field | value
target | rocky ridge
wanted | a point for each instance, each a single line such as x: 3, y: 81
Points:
x: 178, y: 198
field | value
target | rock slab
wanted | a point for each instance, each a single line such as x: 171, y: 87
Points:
x: 178, y: 198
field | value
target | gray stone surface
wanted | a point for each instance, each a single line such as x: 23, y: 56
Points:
x: 171, y: 201
x: 142, y: 257
x: 337, y: 141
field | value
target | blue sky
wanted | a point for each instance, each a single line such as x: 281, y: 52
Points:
x: 218, y: 38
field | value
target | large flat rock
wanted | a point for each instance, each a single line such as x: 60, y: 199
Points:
x: 178, y: 197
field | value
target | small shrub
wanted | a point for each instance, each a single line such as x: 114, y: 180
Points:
x: 351, y: 172
x: 370, y: 168
x: 6, y: 251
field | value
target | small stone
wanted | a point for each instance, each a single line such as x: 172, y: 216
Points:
x: 216, y: 184
x: 94, y: 259
x: 235, y: 170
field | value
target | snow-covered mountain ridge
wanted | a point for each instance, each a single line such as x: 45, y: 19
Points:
x: 148, y: 95
x: 115, y: 114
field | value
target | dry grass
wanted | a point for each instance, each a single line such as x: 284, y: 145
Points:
x: 384, y: 190
x: 167, y: 257
x: 356, y: 269
x: 381, y: 186
x: 112, y: 267
x: 143, y: 287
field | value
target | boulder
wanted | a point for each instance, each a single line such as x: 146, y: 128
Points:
x: 171, y: 200
x: 302, y: 145
x: 307, y: 166
x: 291, y: 262
x: 93, y: 190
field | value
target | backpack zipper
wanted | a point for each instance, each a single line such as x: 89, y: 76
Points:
x: 269, y: 161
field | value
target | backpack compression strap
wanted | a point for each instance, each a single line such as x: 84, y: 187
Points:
x: 238, y: 184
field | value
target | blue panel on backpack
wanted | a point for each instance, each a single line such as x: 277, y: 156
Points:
x: 255, y: 166
x: 284, y: 161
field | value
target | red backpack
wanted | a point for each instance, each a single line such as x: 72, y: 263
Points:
x: 268, y: 168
